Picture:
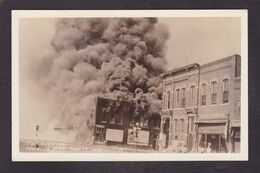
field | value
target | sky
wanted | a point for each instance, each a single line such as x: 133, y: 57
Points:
x: 201, y: 40
x: 192, y: 40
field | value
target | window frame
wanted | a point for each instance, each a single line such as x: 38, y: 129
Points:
x: 173, y: 99
x: 192, y: 96
x: 178, y: 98
x: 203, y: 94
x: 182, y: 125
x: 214, y: 92
x: 176, y: 127
x: 224, y: 91
x: 168, y: 101
x: 183, y: 98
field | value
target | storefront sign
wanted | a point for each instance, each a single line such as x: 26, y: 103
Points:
x: 212, y: 129
x: 114, y: 135
x: 142, y: 139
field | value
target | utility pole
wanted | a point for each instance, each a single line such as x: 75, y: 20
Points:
x: 136, y: 129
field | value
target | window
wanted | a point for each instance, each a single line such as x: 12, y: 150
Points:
x: 120, y: 119
x: 168, y: 99
x: 176, y: 125
x: 192, y: 96
x: 203, y: 95
x: 183, y: 97
x: 182, y: 124
x: 178, y: 98
x: 225, y: 85
x: 112, y: 119
x: 164, y: 101
x: 213, y: 92
x: 103, y: 115
x: 191, y: 124
x: 172, y: 99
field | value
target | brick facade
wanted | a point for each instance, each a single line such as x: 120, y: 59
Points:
x: 201, y: 105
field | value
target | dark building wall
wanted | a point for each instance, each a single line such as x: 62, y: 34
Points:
x: 237, y: 99
x: 119, y: 115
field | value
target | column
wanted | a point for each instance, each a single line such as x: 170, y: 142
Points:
x: 170, y: 131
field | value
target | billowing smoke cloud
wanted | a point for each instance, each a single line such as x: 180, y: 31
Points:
x: 100, y: 55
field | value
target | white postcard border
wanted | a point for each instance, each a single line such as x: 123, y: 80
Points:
x: 19, y: 156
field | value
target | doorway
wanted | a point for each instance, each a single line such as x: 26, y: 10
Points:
x: 165, y: 129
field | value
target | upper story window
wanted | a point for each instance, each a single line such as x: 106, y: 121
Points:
x: 183, y: 97
x: 213, y: 92
x: 191, y: 127
x: 168, y: 99
x: 182, y: 125
x: 176, y: 125
x: 203, y: 95
x: 178, y: 98
x: 192, y: 96
x: 172, y: 99
x: 164, y: 100
x: 225, y: 89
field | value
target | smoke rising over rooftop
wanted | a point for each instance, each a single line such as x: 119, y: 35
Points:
x: 100, y: 55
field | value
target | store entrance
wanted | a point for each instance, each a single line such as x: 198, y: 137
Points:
x: 215, y: 142
x: 165, y: 129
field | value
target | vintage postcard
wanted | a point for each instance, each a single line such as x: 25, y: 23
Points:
x: 129, y: 85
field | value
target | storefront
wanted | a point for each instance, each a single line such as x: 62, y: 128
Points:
x: 235, y: 136
x: 212, y: 134
x: 115, y: 124
x: 165, y: 132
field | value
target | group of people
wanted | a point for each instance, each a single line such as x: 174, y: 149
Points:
x: 208, y: 149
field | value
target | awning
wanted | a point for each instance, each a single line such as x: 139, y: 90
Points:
x: 235, y: 123
x: 211, y: 120
x: 209, y: 128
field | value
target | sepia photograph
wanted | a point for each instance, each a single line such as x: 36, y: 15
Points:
x: 128, y: 85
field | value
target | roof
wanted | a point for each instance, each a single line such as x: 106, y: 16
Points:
x: 194, y: 65
x: 190, y: 66
x: 219, y: 60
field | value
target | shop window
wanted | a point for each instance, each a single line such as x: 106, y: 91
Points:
x: 213, y: 92
x: 203, y: 95
x: 192, y: 96
x: 120, y: 119
x: 183, y: 97
x: 225, y: 85
x: 112, y: 119
x: 103, y: 115
x: 145, y: 122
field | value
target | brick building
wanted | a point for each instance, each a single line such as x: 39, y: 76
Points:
x: 201, y: 106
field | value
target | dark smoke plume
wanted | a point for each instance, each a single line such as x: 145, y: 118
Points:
x: 101, y: 55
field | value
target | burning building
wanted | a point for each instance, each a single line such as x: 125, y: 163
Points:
x: 116, y: 120
x: 96, y: 56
